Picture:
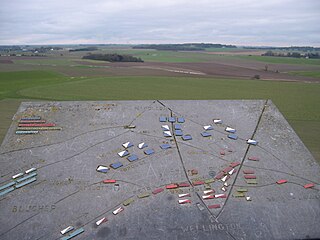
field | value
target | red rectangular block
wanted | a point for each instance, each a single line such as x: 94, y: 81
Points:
x: 253, y: 158
x: 281, y: 181
x: 158, y: 190
x: 196, y: 183
x: 220, y: 175
x: 234, y: 164
x: 37, y: 125
x: 248, y: 171
x: 109, y: 181
x: 222, y: 153
x: 309, y: 185
x: 214, y: 206
x: 250, y: 177
x: 171, y: 186
x: 184, y: 185
x: 227, y: 169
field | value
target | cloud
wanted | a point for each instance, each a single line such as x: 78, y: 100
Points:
x: 245, y: 22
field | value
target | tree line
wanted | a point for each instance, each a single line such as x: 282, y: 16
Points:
x: 84, y: 49
x: 112, y: 57
x: 292, y: 54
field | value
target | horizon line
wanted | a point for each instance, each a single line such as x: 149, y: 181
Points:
x: 134, y: 44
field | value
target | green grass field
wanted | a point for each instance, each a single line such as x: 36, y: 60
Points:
x: 167, y: 56
x: 45, y: 61
x: 282, y: 60
x: 314, y: 74
x: 299, y: 102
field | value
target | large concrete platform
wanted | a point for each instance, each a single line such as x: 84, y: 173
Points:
x: 264, y: 191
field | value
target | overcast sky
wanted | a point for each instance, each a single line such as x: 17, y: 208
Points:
x: 240, y: 22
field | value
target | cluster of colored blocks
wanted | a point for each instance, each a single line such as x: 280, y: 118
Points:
x: 177, y: 128
x: 130, y: 157
x: 171, y: 119
x: 140, y: 196
x: 182, y: 197
x: 206, y: 132
x: 19, y: 180
x: 226, y: 174
x: 32, y: 125
x: 249, y: 176
x: 241, y: 192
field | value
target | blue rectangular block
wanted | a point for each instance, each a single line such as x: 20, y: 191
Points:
x: 132, y: 158
x: 233, y: 136
x: 27, y: 177
x: 10, y: 184
x: 149, y: 151
x: 165, y: 146
x: 162, y: 119
x: 177, y: 127
x: 116, y: 165
x: 178, y: 133
x: 6, y: 191
x: 180, y: 120
x: 31, y: 118
x: 186, y: 137
x: 172, y: 119
x: 26, y: 182
x: 206, y: 134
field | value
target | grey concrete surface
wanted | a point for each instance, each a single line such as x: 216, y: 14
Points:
x: 70, y: 192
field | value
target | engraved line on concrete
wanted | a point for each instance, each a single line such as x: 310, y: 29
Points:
x: 184, y: 143
x: 278, y: 171
x: 242, y: 161
x: 187, y: 177
x: 17, y: 225
x: 64, y: 141
x: 274, y: 183
x: 86, y: 149
x: 51, y: 144
x: 79, y: 153
x: 60, y: 200
x: 214, y: 129
x: 274, y: 156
